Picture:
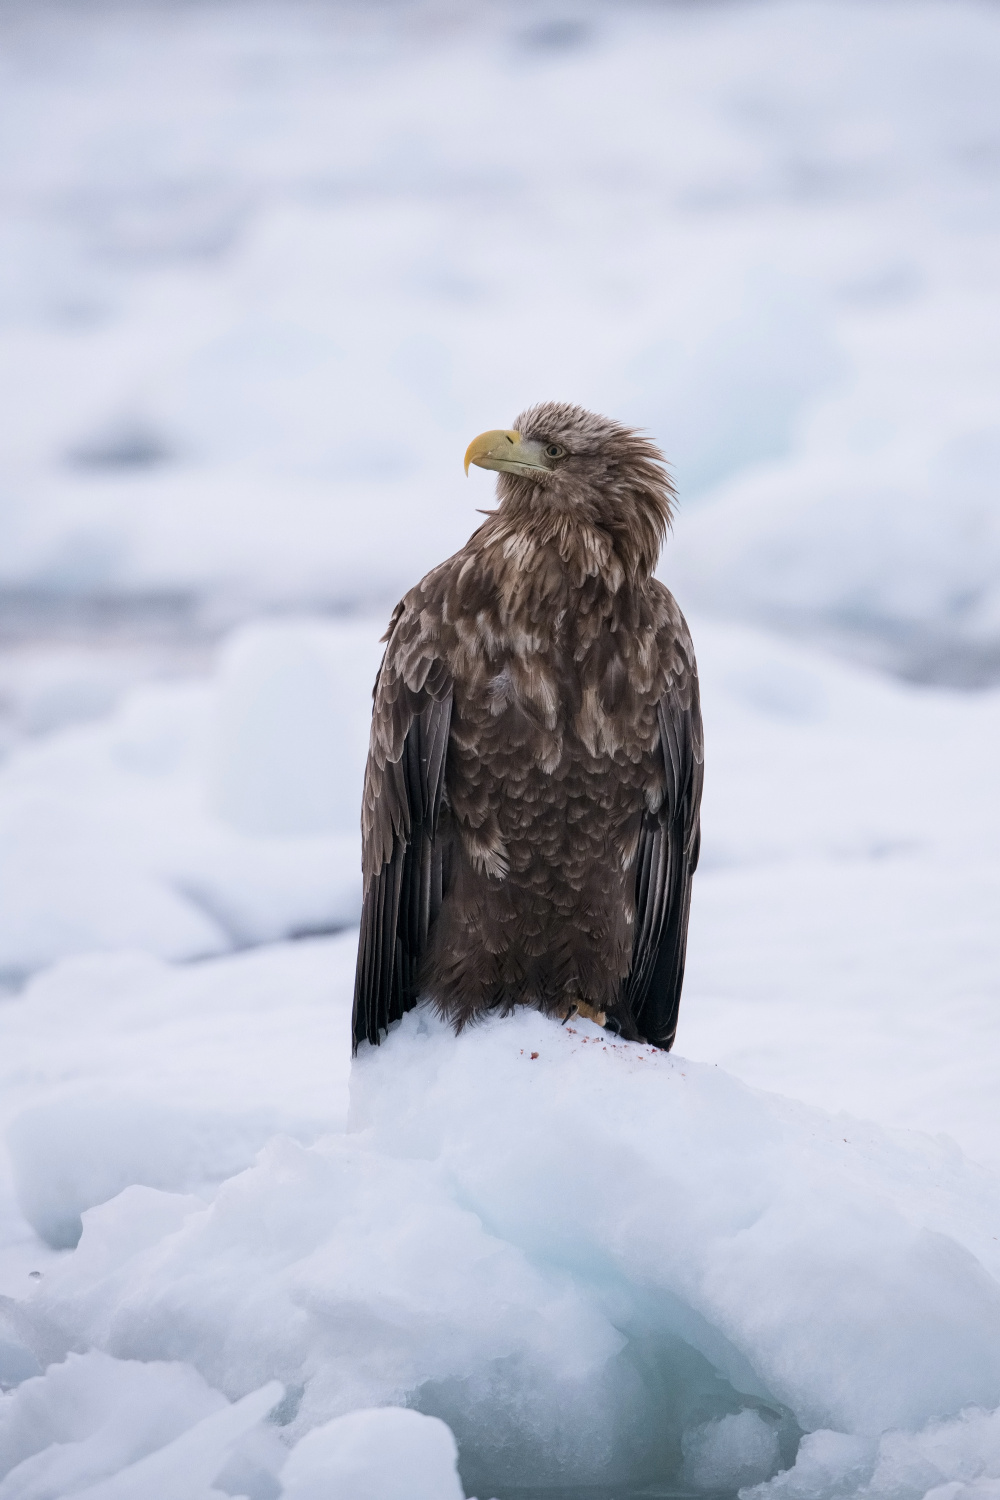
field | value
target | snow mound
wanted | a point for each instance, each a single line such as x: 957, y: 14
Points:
x: 199, y: 817
x: 597, y: 1263
x: 107, y: 1429
x: 185, y: 1468
x: 71, y: 1154
x: 358, y: 1277
x: 112, y: 1429
x: 121, y: 1070
x: 385, y: 1454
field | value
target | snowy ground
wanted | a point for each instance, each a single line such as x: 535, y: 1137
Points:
x: 263, y: 272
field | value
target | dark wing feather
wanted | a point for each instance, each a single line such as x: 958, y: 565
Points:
x: 667, y: 858
x: 402, y: 858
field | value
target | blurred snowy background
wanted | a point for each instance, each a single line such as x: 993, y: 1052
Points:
x: 264, y: 271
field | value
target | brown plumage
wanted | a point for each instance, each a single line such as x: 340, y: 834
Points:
x: 530, y: 820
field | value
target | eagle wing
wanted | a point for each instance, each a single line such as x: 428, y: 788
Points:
x: 669, y: 845
x: 403, y: 860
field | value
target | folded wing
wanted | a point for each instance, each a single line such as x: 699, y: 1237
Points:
x: 402, y: 859
x: 667, y: 858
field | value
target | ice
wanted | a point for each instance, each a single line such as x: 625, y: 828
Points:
x: 525, y: 1260
x: 362, y: 1280
x: 585, y: 1256
x: 19, y: 1356
x: 734, y: 382
x: 185, y: 1468
x: 246, y: 344
x: 385, y: 1454
x: 107, y: 1429
x: 291, y: 738
x: 197, y: 818
x: 731, y: 1452
x: 69, y: 1155
x: 843, y: 945
x: 822, y: 875
x: 139, y: 1073
x: 119, y: 1429
x: 896, y: 557
x: 952, y: 1460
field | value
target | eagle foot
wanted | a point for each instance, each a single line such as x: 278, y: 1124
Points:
x: 585, y: 1011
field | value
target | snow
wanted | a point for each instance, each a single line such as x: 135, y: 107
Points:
x: 502, y: 1241
x: 246, y: 341
x: 844, y: 943
x: 731, y: 1452
x: 92, y: 1416
x: 122, y: 1069
x: 187, y: 1466
x: 822, y: 873
x: 904, y: 568
x: 385, y: 1454
x: 292, y: 728
x: 196, y: 819
x: 260, y: 281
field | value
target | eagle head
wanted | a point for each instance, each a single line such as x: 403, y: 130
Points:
x: 561, y: 464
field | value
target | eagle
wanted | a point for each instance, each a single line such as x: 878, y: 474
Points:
x: 530, y: 816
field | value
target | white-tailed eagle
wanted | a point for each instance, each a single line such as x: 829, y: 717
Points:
x: 531, y: 802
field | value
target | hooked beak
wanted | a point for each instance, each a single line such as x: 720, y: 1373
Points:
x: 507, y: 451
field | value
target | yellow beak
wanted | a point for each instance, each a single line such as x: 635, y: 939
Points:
x: 506, y: 450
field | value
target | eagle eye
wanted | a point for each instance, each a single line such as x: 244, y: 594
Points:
x: 553, y: 450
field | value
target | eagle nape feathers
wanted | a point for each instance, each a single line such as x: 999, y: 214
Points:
x: 530, y: 819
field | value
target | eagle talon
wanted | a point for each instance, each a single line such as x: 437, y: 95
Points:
x: 586, y: 1013
x: 613, y: 1026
